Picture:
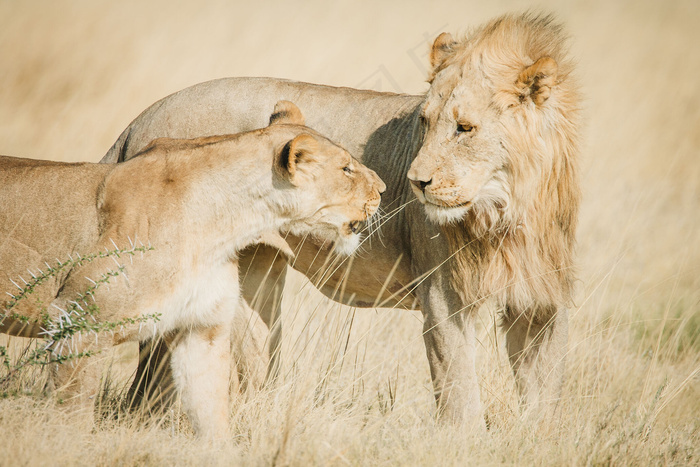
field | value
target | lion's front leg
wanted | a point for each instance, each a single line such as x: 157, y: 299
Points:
x: 153, y: 388
x: 450, y: 342
x: 263, y: 274
x: 249, y: 337
x: 536, y: 344
x: 201, y: 362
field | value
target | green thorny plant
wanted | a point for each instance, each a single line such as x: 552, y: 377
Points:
x: 76, y: 320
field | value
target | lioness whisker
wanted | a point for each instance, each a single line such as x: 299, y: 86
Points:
x: 342, y: 260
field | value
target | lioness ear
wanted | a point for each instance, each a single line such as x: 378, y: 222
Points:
x: 296, y: 157
x: 442, y: 48
x: 537, y: 80
x: 286, y: 112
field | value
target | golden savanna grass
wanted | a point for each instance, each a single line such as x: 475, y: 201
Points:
x: 356, y: 386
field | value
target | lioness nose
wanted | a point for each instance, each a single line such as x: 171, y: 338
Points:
x: 381, y: 185
x: 420, y: 184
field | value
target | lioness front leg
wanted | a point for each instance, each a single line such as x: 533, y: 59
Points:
x: 537, y: 350
x: 153, y: 388
x: 263, y: 272
x: 450, y: 342
x: 201, y: 361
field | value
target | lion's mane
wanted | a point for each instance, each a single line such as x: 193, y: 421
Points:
x: 517, y: 244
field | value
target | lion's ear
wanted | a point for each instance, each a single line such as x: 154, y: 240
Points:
x: 286, y: 112
x: 296, y: 159
x: 537, y: 80
x: 442, y: 48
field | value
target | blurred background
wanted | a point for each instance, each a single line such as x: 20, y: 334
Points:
x: 73, y: 74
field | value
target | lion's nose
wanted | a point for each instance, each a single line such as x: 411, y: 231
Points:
x: 421, y: 184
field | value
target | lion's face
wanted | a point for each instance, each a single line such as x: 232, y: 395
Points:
x: 487, y: 119
x: 462, y: 162
x: 349, y: 192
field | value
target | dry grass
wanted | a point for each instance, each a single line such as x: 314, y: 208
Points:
x: 357, y: 388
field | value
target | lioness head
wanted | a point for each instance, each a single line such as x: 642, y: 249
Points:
x: 332, y: 192
x: 498, y: 108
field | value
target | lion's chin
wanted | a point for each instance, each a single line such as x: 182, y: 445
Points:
x: 444, y: 215
x: 347, y: 244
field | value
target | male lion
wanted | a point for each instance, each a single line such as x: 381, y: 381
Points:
x: 199, y: 203
x: 492, y: 152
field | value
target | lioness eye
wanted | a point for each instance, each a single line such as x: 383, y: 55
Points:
x: 347, y: 169
x: 465, y: 128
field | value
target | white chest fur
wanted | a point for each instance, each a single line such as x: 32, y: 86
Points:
x: 203, y: 295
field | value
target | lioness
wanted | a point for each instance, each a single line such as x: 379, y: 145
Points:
x: 198, y: 202
x: 492, y: 151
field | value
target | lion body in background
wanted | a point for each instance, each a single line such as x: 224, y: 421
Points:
x: 490, y: 152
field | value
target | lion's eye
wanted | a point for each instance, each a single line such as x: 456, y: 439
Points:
x: 347, y: 170
x: 465, y: 128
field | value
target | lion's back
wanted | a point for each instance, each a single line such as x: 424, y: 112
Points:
x: 234, y: 105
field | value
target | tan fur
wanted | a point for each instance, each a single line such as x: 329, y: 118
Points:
x: 505, y: 216
x: 198, y: 203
